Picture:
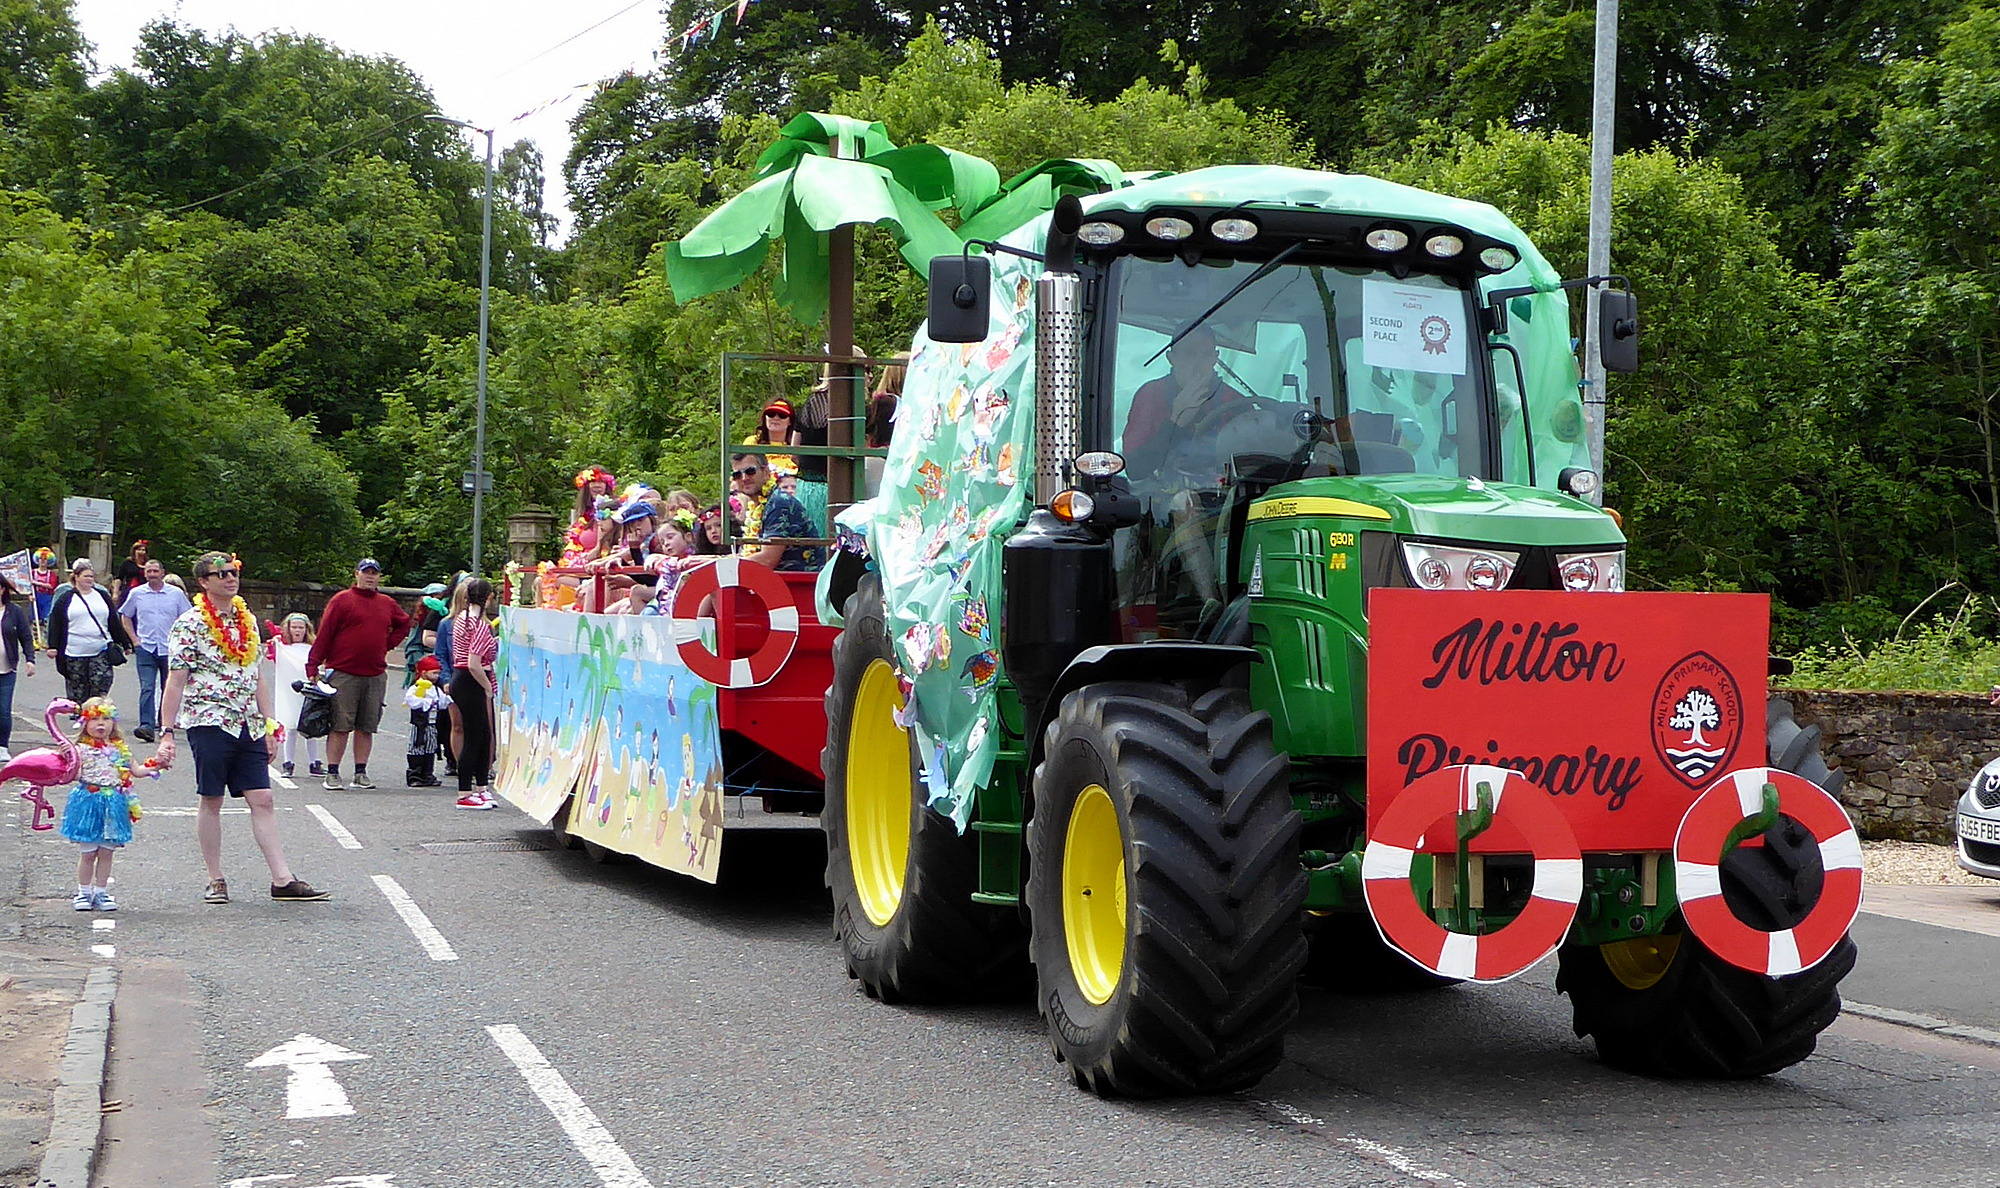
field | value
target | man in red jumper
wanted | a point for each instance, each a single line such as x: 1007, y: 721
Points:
x: 356, y: 633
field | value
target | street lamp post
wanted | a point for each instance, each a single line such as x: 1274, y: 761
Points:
x: 479, y: 477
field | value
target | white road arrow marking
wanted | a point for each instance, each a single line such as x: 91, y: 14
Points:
x: 310, y: 1090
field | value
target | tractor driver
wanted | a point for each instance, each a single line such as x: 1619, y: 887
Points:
x: 1163, y: 409
x: 1171, y: 437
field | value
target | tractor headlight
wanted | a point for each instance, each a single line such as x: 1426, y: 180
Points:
x: 1603, y: 572
x: 1443, y: 567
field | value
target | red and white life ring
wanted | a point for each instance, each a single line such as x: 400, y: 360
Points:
x: 781, y: 616
x: 1405, y: 924
x: 1698, y: 881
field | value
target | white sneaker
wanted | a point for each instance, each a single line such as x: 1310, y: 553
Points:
x: 6, y: 756
x: 83, y: 901
x: 103, y: 901
x: 476, y: 801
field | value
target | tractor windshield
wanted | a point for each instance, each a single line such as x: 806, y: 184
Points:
x: 1346, y: 369
x: 1309, y: 369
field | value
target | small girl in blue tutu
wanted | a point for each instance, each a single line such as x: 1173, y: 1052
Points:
x: 101, y: 806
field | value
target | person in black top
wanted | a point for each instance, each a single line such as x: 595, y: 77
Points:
x: 131, y: 573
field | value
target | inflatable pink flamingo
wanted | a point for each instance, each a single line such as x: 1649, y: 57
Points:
x: 45, y: 767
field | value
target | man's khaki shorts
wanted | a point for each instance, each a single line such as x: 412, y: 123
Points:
x: 357, y: 704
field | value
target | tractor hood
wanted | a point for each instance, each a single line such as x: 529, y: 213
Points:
x: 1446, y: 508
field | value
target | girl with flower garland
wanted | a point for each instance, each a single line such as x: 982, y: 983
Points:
x: 101, y: 806
x: 674, y: 554
x: 585, y: 537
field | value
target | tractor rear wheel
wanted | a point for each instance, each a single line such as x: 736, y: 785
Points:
x: 1165, y: 893
x: 1666, y: 1006
x: 900, y: 874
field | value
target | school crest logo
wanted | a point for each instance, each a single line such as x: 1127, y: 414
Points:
x: 1697, y: 718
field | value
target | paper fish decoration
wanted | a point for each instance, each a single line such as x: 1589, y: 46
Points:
x: 926, y: 644
x: 935, y: 546
x: 987, y: 410
x: 1003, y: 347
x: 972, y: 620
x: 976, y: 738
x: 1003, y: 467
x: 955, y: 407
x: 931, y: 482
x: 980, y: 668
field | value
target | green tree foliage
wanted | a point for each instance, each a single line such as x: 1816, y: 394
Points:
x: 115, y: 383
x: 1924, y: 325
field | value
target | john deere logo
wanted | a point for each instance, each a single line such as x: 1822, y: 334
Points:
x: 1697, y: 717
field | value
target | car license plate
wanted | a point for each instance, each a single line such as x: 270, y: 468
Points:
x: 1978, y: 829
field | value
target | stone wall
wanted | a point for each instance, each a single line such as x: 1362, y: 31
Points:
x: 1908, y: 756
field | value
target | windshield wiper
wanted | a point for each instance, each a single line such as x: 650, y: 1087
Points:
x: 1263, y: 270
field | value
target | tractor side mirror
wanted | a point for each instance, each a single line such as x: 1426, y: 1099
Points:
x: 1618, y: 330
x: 961, y: 293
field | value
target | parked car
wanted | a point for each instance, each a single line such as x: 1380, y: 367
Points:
x: 1979, y: 823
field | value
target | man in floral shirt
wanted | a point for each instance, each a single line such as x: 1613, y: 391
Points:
x: 215, y: 689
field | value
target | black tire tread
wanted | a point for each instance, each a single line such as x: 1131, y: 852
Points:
x: 1216, y: 888
x: 1706, y: 1017
x: 940, y: 947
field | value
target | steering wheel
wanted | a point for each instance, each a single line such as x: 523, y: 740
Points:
x: 1222, y: 429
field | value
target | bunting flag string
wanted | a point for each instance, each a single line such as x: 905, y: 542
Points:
x: 710, y: 26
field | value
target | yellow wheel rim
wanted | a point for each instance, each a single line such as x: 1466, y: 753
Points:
x: 1093, y: 899
x: 879, y: 794
x: 1641, y: 962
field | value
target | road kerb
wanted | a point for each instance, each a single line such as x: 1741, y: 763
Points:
x: 78, y: 1118
x: 1931, y: 1023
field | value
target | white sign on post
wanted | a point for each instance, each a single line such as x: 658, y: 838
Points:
x: 91, y: 517
x: 1407, y: 328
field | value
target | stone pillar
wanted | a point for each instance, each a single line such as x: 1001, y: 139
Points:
x: 529, y: 532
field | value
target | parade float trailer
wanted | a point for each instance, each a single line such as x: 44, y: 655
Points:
x: 1319, y: 663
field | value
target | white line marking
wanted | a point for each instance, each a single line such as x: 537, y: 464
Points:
x: 339, y: 831
x: 104, y: 950
x: 104, y: 925
x: 227, y: 809
x: 1367, y: 1148
x: 280, y: 778
x: 426, y: 933
x: 613, y: 1166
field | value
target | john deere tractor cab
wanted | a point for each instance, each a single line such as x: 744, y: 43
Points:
x: 1171, y: 462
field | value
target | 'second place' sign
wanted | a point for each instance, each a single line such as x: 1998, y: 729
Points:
x: 91, y: 517
x: 1620, y: 707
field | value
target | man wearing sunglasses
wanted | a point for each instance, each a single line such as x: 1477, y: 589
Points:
x: 216, y: 691
x: 770, y: 517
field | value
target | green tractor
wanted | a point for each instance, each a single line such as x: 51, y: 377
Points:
x: 1194, y: 483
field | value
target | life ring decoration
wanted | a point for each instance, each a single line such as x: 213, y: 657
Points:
x: 780, y: 614
x: 1698, y: 879
x: 1403, y: 922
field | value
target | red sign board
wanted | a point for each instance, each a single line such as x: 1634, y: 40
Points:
x: 1621, y: 707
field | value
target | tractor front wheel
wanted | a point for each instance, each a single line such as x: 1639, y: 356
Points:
x: 1164, y: 891
x: 1665, y: 1006
x: 900, y: 875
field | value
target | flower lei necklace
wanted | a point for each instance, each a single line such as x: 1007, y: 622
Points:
x: 236, y: 640
x: 124, y: 760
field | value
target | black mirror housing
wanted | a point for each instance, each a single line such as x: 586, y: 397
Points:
x: 961, y: 296
x: 1618, y: 330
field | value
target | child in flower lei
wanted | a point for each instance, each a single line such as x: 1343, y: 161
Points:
x: 236, y: 637
x: 101, y: 807
x: 674, y: 556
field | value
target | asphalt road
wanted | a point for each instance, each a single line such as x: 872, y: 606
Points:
x: 615, y: 1025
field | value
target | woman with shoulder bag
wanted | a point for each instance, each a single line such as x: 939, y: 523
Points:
x: 86, y: 636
